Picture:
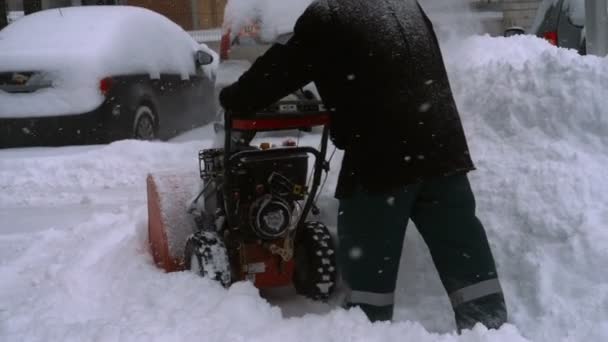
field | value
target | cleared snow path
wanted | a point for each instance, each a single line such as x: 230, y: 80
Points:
x: 75, y: 266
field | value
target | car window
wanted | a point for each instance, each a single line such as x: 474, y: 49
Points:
x: 575, y: 10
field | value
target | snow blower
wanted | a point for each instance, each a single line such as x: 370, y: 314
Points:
x: 249, y: 221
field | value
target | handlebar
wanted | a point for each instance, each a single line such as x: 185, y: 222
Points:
x: 284, y: 115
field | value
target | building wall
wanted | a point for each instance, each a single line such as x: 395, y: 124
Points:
x: 519, y: 12
x: 189, y: 14
x: 211, y: 13
x: 180, y: 11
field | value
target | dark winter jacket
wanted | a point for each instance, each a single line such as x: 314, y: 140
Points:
x: 378, y: 68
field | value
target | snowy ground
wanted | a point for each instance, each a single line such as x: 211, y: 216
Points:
x: 75, y: 266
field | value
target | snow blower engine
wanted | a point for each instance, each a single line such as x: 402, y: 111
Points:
x: 249, y: 221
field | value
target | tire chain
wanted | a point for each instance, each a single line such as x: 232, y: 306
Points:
x: 326, y: 253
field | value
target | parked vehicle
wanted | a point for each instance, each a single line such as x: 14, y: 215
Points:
x: 561, y: 23
x: 100, y: 73
x: 514, y: 31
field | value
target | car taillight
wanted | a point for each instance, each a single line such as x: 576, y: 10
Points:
x: 551, y: 37
x: 105, y: 85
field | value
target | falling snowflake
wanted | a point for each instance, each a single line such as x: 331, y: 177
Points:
x: 355, y: 253
x: 424, y: 107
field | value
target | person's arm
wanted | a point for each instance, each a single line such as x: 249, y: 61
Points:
x: 283, y: 69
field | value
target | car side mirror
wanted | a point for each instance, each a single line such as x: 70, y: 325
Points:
x: 514, y: 31
x: 203, y: 58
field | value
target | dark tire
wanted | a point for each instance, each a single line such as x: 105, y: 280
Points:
x: 206, y: 255
x: 315, y: 270
x: 144, y: 123
x: 583, y: 48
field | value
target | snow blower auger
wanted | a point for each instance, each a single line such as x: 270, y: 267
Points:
x: 249, y: 221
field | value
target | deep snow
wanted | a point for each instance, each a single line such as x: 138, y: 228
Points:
x: 74, y: 262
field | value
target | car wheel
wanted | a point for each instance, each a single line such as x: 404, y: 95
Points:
x: 144, y: 125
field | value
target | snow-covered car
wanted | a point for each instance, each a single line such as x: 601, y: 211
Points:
x: 100, y: 73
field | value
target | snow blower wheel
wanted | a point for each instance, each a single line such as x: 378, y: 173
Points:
x: 206, y: 255
x: 315, y: 272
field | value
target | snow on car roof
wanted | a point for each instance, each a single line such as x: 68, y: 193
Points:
x: 112, y: 35
x: 76, y: 47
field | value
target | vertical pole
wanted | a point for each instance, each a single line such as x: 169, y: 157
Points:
x: 596, y: 27
x: 3, y: 17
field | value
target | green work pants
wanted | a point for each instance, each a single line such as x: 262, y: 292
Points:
x: 371, y: 230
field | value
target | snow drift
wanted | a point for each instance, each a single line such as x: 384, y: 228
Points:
x: 75, y: 265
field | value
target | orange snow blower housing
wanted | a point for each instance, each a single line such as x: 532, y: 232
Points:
x: 248, y: 219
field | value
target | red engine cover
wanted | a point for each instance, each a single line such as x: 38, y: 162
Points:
x: 263, y: 268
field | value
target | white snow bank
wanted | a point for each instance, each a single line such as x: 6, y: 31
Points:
x: 535, y: 116
x: 92, y: 277
x: 74, y: 262
x: 555, y: 93
x: 78, y: 46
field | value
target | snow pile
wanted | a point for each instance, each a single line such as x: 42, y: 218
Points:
x: 535, y: 117
x: 76, y: 47
x: 74, y: 261
x: 75, y: 264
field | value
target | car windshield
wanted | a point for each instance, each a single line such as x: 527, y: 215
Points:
x: 304, y: 170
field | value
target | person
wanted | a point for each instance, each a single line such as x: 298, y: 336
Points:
x: 379, y: 71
